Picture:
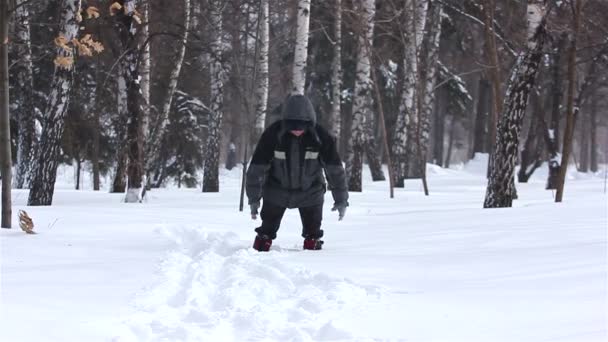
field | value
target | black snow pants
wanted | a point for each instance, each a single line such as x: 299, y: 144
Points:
x: 271, y: 220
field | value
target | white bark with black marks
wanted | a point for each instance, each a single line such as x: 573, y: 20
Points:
x: 25, y: 92
x: 261, y: 92
x: 500, y: 191
x: 301, y: 51
x: 43, y: 178
x: 336, y: 73
x: 362, y: 100
x: 429, y: 80
x: 404, y: 135
x: 212, y: 156
x: 156, y: 135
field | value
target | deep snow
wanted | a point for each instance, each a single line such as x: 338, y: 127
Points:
x: 180, y: 268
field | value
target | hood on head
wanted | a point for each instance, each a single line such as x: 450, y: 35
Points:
x: 299, y: 107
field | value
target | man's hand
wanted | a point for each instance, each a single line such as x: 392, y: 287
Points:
x: 254, y: 210
x: 341, y: 208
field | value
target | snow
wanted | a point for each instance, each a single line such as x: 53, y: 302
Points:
x: 179, y: 266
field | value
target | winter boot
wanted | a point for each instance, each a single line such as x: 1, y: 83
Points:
x: 313, y: 244
x: 262, y: 243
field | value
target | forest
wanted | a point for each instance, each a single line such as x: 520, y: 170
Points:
x: 146, y: 93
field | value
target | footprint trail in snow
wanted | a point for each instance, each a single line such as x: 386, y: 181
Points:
x: 214, y: 287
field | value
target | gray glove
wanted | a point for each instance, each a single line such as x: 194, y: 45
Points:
x: 254, y: 209
x: 341, y: 208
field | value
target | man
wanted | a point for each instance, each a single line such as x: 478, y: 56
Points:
x: 287, y: 172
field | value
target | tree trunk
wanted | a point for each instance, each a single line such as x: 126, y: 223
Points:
x: 336, y: 74
x: 569, y: 130
x: 494, y: 70
x: 301, y: 51
x: 439, y: 130
x: 417, y: 24
x: 144, y: 72
x: 25, y: 92
x: 154, y: 142
x: 404, y: 136
x: 78, y: 169
x: 129, y: 73
x: 553, y: 129
x: 5, y: 129
x: 211, y: 181
x: 481, y: 119
x: 531, y: 155
x: 448, y: 156
x: 261, y: 93
x: 584, y: 129
x: 362, y: 104
x: 500, y: 190
x: 43, y: 178
x: 593, y: 134
x: 430, y: 58
x: 97, y: 128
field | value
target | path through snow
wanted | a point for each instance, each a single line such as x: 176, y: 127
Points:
x: 216, y: 288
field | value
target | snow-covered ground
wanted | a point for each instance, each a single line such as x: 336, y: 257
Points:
x: 180, y: 268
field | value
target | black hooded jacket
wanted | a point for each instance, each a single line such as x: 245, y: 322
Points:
x: 287, y: 170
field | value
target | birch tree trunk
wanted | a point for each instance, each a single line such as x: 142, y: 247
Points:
x: 430, y: 60
x: 362, y: 103
x: 261, y: 93
x: 43, y: 178
x: 145, y: 67
x: 489, y: 8
x: 156, y: 135
x: 5, y: 129
x: 418, y: 23
x: 553, y: 129
x: 500, y: 190
x: 404, y: 136
x: 301, y: 51
x: 336, y: 74
x: 25, y: 91
x: 129, y: 74
x: 211, y: 168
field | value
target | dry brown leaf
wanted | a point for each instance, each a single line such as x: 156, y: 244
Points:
x: 97, y: 46
x: 62, y: 42
x: 115, y: 7
x: 64, y: 62
x: 26, y: 223
x: 137, y: 18
x: 92, y: 12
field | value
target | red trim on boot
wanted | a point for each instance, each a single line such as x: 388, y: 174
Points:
x: 262, y: 245
x: 313, y: 244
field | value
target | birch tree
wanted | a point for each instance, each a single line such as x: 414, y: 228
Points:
x: 131, y: 98
x: 5, y: 130
x: 156, y: 135
x: 301, y: 50
x: 336, y: 73
x: 500, y: 190
x: 211, y: 167
x: 261, y: 92
x: 25, y: 91
x: 430, y: 58
x: 45, y: 168
x: 404, y: 136
x: 361, y: 140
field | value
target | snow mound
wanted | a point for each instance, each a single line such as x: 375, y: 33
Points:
x: 216, y: 288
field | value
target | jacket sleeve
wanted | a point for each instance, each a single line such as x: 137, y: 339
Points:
x: 334, y: 170
x: 259, y: 166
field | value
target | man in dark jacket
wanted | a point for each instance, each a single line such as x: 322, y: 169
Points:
x: 287, y: 172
